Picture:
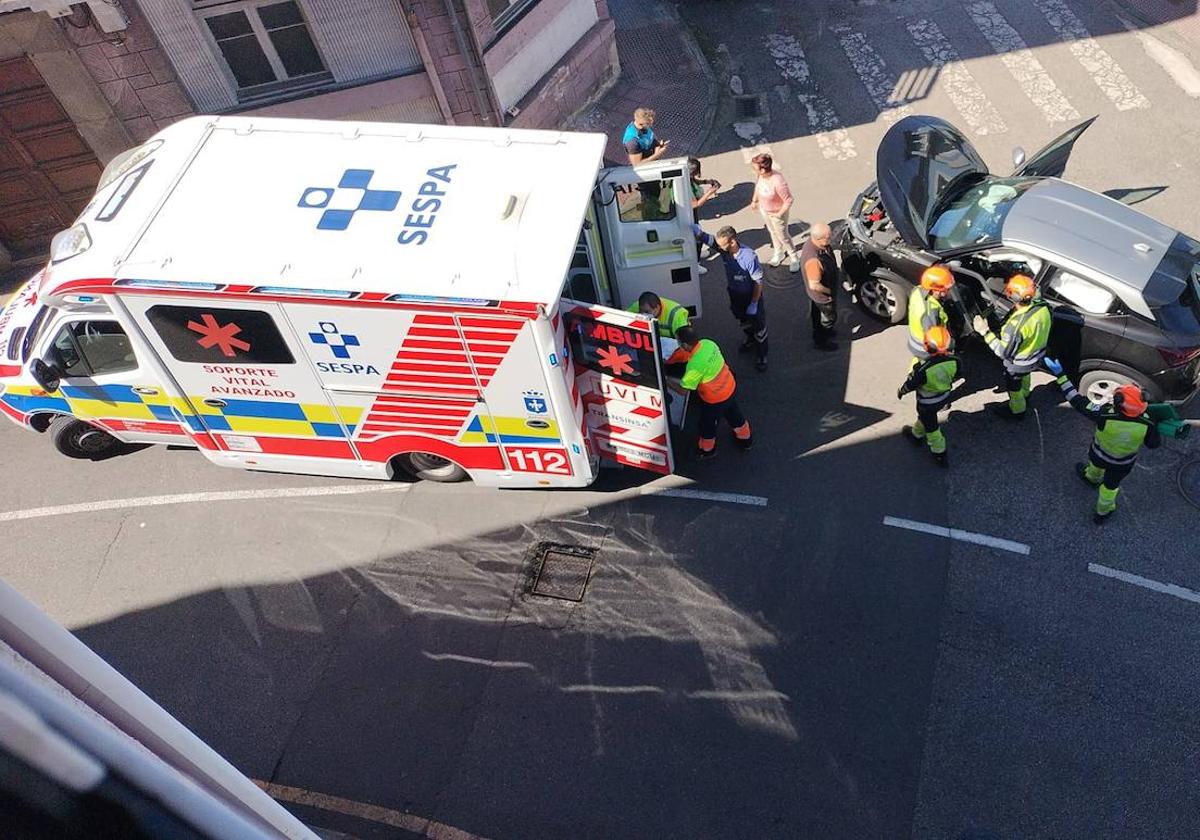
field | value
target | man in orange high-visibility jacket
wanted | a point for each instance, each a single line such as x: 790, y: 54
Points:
x: 709, y: 376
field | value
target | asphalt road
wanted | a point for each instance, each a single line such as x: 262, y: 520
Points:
x: 736, y: 669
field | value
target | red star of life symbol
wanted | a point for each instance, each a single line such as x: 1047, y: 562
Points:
x: 617, y: 362
x: 222, y: 336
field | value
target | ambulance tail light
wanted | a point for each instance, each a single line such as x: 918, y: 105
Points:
x: 70, y: 243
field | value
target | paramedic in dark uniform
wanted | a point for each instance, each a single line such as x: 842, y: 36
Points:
x: 744, y: 281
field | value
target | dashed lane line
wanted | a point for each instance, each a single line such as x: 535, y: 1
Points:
x: 956, y: 534
x: 1145, y: 583
x: 832, y: 138
x: 364, y: 811
x: 873, y: 72
x: 189, y: 498
x: 966, y: 94
x: 1102, y: 67
x: 1020, y: 62
x: 704, y: 495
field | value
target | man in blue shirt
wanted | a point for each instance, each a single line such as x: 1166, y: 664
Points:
x: 639, y: 141
x: 744, y: 282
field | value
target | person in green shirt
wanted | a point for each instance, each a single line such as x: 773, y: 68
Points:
x: 1021, y: 344
x: 932, y: 378
x: 709, y: 377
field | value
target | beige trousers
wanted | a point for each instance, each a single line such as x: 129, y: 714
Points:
x: 778, y: 228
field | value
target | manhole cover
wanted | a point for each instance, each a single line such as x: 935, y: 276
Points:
x: 1189, y: 481
x: 563, y: 571
x: 747, y: 107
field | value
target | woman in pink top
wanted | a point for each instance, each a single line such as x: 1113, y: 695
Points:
x: 773, y: 199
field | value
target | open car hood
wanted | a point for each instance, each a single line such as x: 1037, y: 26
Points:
x: 919, y: 158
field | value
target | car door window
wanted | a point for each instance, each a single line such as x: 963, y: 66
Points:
x: 1079, y: 292
x: 93, y: 348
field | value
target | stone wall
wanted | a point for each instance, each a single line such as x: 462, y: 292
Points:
x: 133, y: 74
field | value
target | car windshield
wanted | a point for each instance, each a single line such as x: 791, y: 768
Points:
x: 975, y: 217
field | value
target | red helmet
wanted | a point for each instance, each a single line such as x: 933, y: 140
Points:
x: 937, y: 279
x: 1130, y: 400
x: 937, y: 340
x: 1019, y: 288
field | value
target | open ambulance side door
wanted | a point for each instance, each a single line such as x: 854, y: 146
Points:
x: 645, y: 216
x: 618, y: 368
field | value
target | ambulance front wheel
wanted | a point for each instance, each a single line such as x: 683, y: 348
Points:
x: 77, y: 439
x: 431, y: 467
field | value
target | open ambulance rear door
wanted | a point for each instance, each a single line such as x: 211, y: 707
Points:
x: 645, y: 215
x: 618, y: 368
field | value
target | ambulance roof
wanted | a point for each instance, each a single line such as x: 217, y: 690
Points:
x: 421, y: 210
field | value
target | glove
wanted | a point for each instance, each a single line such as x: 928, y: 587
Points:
x: 752, y: 308
x: 980, y: 325
x: 1053, y: 365
x: 901, y: 391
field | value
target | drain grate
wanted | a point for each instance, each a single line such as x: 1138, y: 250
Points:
x: 747, y: 107
x: 563, y: 571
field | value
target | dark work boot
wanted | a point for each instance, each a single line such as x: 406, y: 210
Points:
x: 1002, y: 410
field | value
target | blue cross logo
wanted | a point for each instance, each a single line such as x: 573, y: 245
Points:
x: 338, y: 216
x: 338, y: 342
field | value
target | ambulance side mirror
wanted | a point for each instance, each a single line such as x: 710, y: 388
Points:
x: 47, y: 375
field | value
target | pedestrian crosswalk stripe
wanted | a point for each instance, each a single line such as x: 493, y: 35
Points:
x: 1107, y: 74
x: 966, y: 94
x: 832, y: 139
x: 871, y: 69
x: 1015, y: 55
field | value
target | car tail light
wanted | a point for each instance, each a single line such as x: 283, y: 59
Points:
x: 1178, y: 356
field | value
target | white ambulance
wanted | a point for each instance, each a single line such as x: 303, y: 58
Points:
x: 354, y: 299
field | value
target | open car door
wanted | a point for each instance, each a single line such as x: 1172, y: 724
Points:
x: 1051, y: 161
x: 645, y: 216
x: 618, y: 368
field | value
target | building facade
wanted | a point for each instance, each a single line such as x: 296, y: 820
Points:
x: 81, y: 83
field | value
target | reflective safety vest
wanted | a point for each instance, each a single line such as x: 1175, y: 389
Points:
x: 1023, y: 337
x: 671, y: 316
x: 924, y: 311
x: 706, y: 373
x: 1120, y: 437
x: 936, y: 376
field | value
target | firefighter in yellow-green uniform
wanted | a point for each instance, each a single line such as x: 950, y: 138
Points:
x: 927, y: 308
x: 932, y: 378
x: 1021, y: 343
x: 1122, y: 429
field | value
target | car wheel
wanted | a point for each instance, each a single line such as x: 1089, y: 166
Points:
x: 883, y: 299
x: 430, y: 467
x: 1098, y: 385
x: 77, y: 439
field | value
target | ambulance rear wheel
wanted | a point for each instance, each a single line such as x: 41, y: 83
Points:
x: 77, y: 439
x: 429, y: 467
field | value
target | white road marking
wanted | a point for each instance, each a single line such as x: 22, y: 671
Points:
x: 1146, y: 583
x: 189, y: 498
x: 364, y: 811
x: 955, y: 534
x: 1029, y: 73
x: 873, y: 72
x: 966, y: 94
x: 592, y: 688
x: 1102, y: 67
x: 1175, y: 63
x: 832, y: 139
x: 473, y: 660
x: 704, y: 495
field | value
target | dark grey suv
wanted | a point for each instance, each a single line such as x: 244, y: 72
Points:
x: 1124, y: 289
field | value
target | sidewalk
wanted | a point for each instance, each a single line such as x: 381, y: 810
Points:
x: 661, y: 68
